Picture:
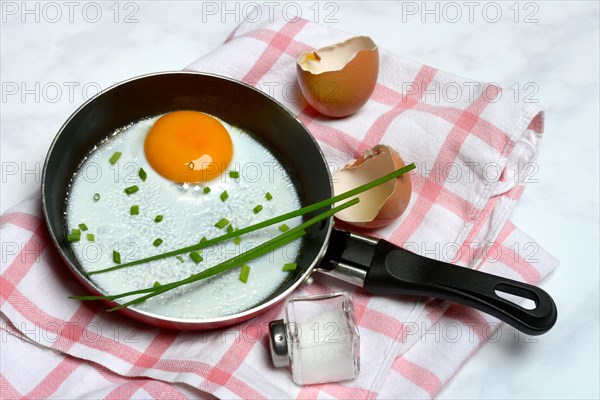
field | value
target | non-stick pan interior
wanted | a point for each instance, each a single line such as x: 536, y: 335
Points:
x: 155, y: 94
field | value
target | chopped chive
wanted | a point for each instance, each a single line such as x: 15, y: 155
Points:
x: 230, y: 228
x: 224, y: 196
x: 269, y: 196
x: 142, y: 174
x: 73, y: 238
x: 289, y: 267
x: 97, y: 197
x: 244, y: 273
x: 83, y: 227
x: 237, y: 241
x: 134, y: 210
x: 158, y: 218
x: 222, y: 223
x: 204, y: 239
x: 75, y: 231
x: 131, y: 189
x: 115, y: 157
x: 156, y: 284
x: 206, y: 189
x: 179, y: 258
x: 234, y: 174
x: 196, y: 257
x: 157, y: 242
x: 257, y: 209
x: 284, y: 228
x: 116, y: 257
x: 90, y: 237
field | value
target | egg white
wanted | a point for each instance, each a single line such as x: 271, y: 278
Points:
x: 189, y: 214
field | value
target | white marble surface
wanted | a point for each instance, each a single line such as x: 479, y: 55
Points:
x: 558, y: 53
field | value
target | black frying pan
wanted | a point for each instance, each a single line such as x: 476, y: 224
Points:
x: 377, y: 265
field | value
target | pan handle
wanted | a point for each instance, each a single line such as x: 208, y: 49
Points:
x: 394, y: 270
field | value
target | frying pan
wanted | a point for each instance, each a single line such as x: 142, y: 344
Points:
x: 377, y: 265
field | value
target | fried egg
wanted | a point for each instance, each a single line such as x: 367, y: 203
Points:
x: 164, y: 147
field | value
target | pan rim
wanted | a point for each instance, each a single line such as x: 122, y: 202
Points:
x: 179, y: 323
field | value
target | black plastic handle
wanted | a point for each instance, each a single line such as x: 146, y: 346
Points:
x: 398, y: 271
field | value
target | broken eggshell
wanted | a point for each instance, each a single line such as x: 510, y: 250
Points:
x: 381, y: 205
x: 337, y: 80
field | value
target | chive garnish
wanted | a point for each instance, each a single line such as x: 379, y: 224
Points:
x: 269, y: 196
x: 237, y: 241
x: 134, y: 210
x: 234, y: 174
x: 284, y: 228
x: 75, y: 231
x: 289, y: 267
x: 179, y: 258
x: 90, y: 237
x: 230, y: 228
x: 244, y: 273
x: 157, y: 242
x: 158, y: 218
x: 83, y: 227
x: 156, y: 284
x: 284, y: 217
x: 257, y: 209
x: 131, y: 189
x: 142, y: 174
x: 224, y: 196
x: 256, y: 252
x: 206, y: 189
x: 203, y: 240
x: 222, y: 223
x: 115, y: 157
x: 116, y: 257
x: 196, y: 257
x: 97, y: 197
x: 73, y: 238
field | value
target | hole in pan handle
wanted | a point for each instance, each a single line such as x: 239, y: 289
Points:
x: 384, y: 268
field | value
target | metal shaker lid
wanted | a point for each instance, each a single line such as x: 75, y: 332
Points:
x: 278, y: 343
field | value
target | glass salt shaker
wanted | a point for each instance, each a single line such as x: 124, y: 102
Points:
x: 319, y: 339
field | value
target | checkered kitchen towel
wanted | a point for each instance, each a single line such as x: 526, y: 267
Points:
x: 472, y: 145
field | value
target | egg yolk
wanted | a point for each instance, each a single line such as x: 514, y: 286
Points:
x: 188, y: 146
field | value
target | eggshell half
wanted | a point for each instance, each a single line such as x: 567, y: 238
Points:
x: 381, y: 205
x: 337, y: 80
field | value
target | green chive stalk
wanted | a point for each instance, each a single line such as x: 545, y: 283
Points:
x: 264, y: 248
x: 264, y: 224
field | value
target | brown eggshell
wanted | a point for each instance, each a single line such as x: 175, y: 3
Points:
x: 345, y: 79
x: 381, y: 205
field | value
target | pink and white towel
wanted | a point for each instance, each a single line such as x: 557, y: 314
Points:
x: 472, y: 145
